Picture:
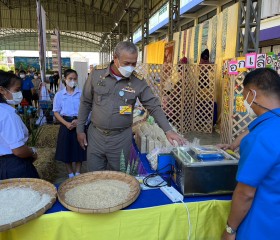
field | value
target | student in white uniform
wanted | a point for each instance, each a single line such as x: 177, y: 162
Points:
x: 16, y: 158
x: 65, y: 108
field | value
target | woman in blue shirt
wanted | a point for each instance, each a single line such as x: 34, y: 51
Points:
x: 65, y: 108
x: 16, y: 159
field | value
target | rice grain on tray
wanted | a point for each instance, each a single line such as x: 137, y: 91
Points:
x: 17, y: 203
x: 99, y: 194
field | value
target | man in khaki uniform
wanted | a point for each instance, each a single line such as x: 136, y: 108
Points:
x: 110, y: 92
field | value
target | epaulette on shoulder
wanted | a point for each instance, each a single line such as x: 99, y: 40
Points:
x: 139, y: 76
x: 102, y: 66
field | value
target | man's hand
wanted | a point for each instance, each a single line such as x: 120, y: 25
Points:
x: 172, y: 136
x: 82, y: 139
x: 225, y: 146
x: 227, y: 236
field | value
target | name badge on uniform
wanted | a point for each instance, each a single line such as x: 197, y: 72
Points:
x: 126, y: 109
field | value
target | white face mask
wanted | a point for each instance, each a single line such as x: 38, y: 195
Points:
x: 17, y: 98
x: 22, y: 75
x: 71, y: 83
x: 248, y: 107
x: 125, y: 71
x: 35, y: 77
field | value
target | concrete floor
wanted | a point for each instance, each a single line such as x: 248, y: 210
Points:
x: 205, y: 139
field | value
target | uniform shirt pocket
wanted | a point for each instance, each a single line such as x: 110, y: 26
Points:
x: 101, y: 95
x: 130, y: 98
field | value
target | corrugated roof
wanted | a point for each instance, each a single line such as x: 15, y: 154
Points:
x: 82, y: 22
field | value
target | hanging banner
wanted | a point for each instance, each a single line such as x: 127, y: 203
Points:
x: 42, y: 40
x: 169, y: 52
x: 56, y: 52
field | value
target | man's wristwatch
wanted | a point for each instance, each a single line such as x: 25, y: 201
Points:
x: 230, y: 230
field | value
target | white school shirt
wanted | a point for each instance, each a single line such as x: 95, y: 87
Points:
x: 13, y: 132
x: 67, y: 104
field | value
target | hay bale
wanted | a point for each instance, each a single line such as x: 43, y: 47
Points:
x: 48, y: 136
x: 45, y: 164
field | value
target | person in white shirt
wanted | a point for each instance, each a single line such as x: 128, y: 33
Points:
x: 16, y: 158
x: 66, y: 108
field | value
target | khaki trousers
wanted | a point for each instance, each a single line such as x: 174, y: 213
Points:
x: 104, y: 151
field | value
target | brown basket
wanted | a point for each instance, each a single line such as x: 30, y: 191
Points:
x: 97, y: 176
x: 38, y: 185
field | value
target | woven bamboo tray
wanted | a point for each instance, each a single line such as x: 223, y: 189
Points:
x: 38, y: 185
x: 97, y: 176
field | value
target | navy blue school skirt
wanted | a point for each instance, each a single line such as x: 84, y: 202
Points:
x: 12, y: 166
x: 68, y: 148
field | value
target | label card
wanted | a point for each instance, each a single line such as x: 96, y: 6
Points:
x: 269, y: 60
x: 232, y: 68
x: 251, y: 60
x: 241, y: 62
x: 261, y: 60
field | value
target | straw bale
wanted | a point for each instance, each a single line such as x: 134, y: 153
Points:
x: 48, y: 137
x: 45, y: 164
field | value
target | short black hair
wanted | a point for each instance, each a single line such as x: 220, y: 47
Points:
x: 69, y: 71
x: 205, y: 54
x: 7, y: 80
x: 22, y: 71
x: 265, y: 79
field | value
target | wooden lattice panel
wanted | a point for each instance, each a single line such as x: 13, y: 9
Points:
x: 153, y: 78
x: 188, y: 97
x: 227, y: 106
x: 240, y: 117
x: 142, y: 68
x: 204, y: 98
x: 186, y: 92
x: 171, y: 93
x: 235, y: 119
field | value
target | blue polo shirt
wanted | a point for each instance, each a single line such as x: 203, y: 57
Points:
x: 259, y: 167
x: 27, y: 84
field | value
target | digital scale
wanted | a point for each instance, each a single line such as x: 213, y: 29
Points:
x: 204, y: 170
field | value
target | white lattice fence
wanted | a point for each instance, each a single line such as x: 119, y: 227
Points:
x: 188, y: 98
x: 204, y: 98
x: 153, y: 79
x: 186, y: 92
x: 171, y: 93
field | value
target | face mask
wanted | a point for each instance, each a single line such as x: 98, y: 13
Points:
x: 248, y: 106
x: 125, y: 71
x: 22, y: 75
x: 71, y: 84
x: 35, y: 77
x: 17, y: 98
